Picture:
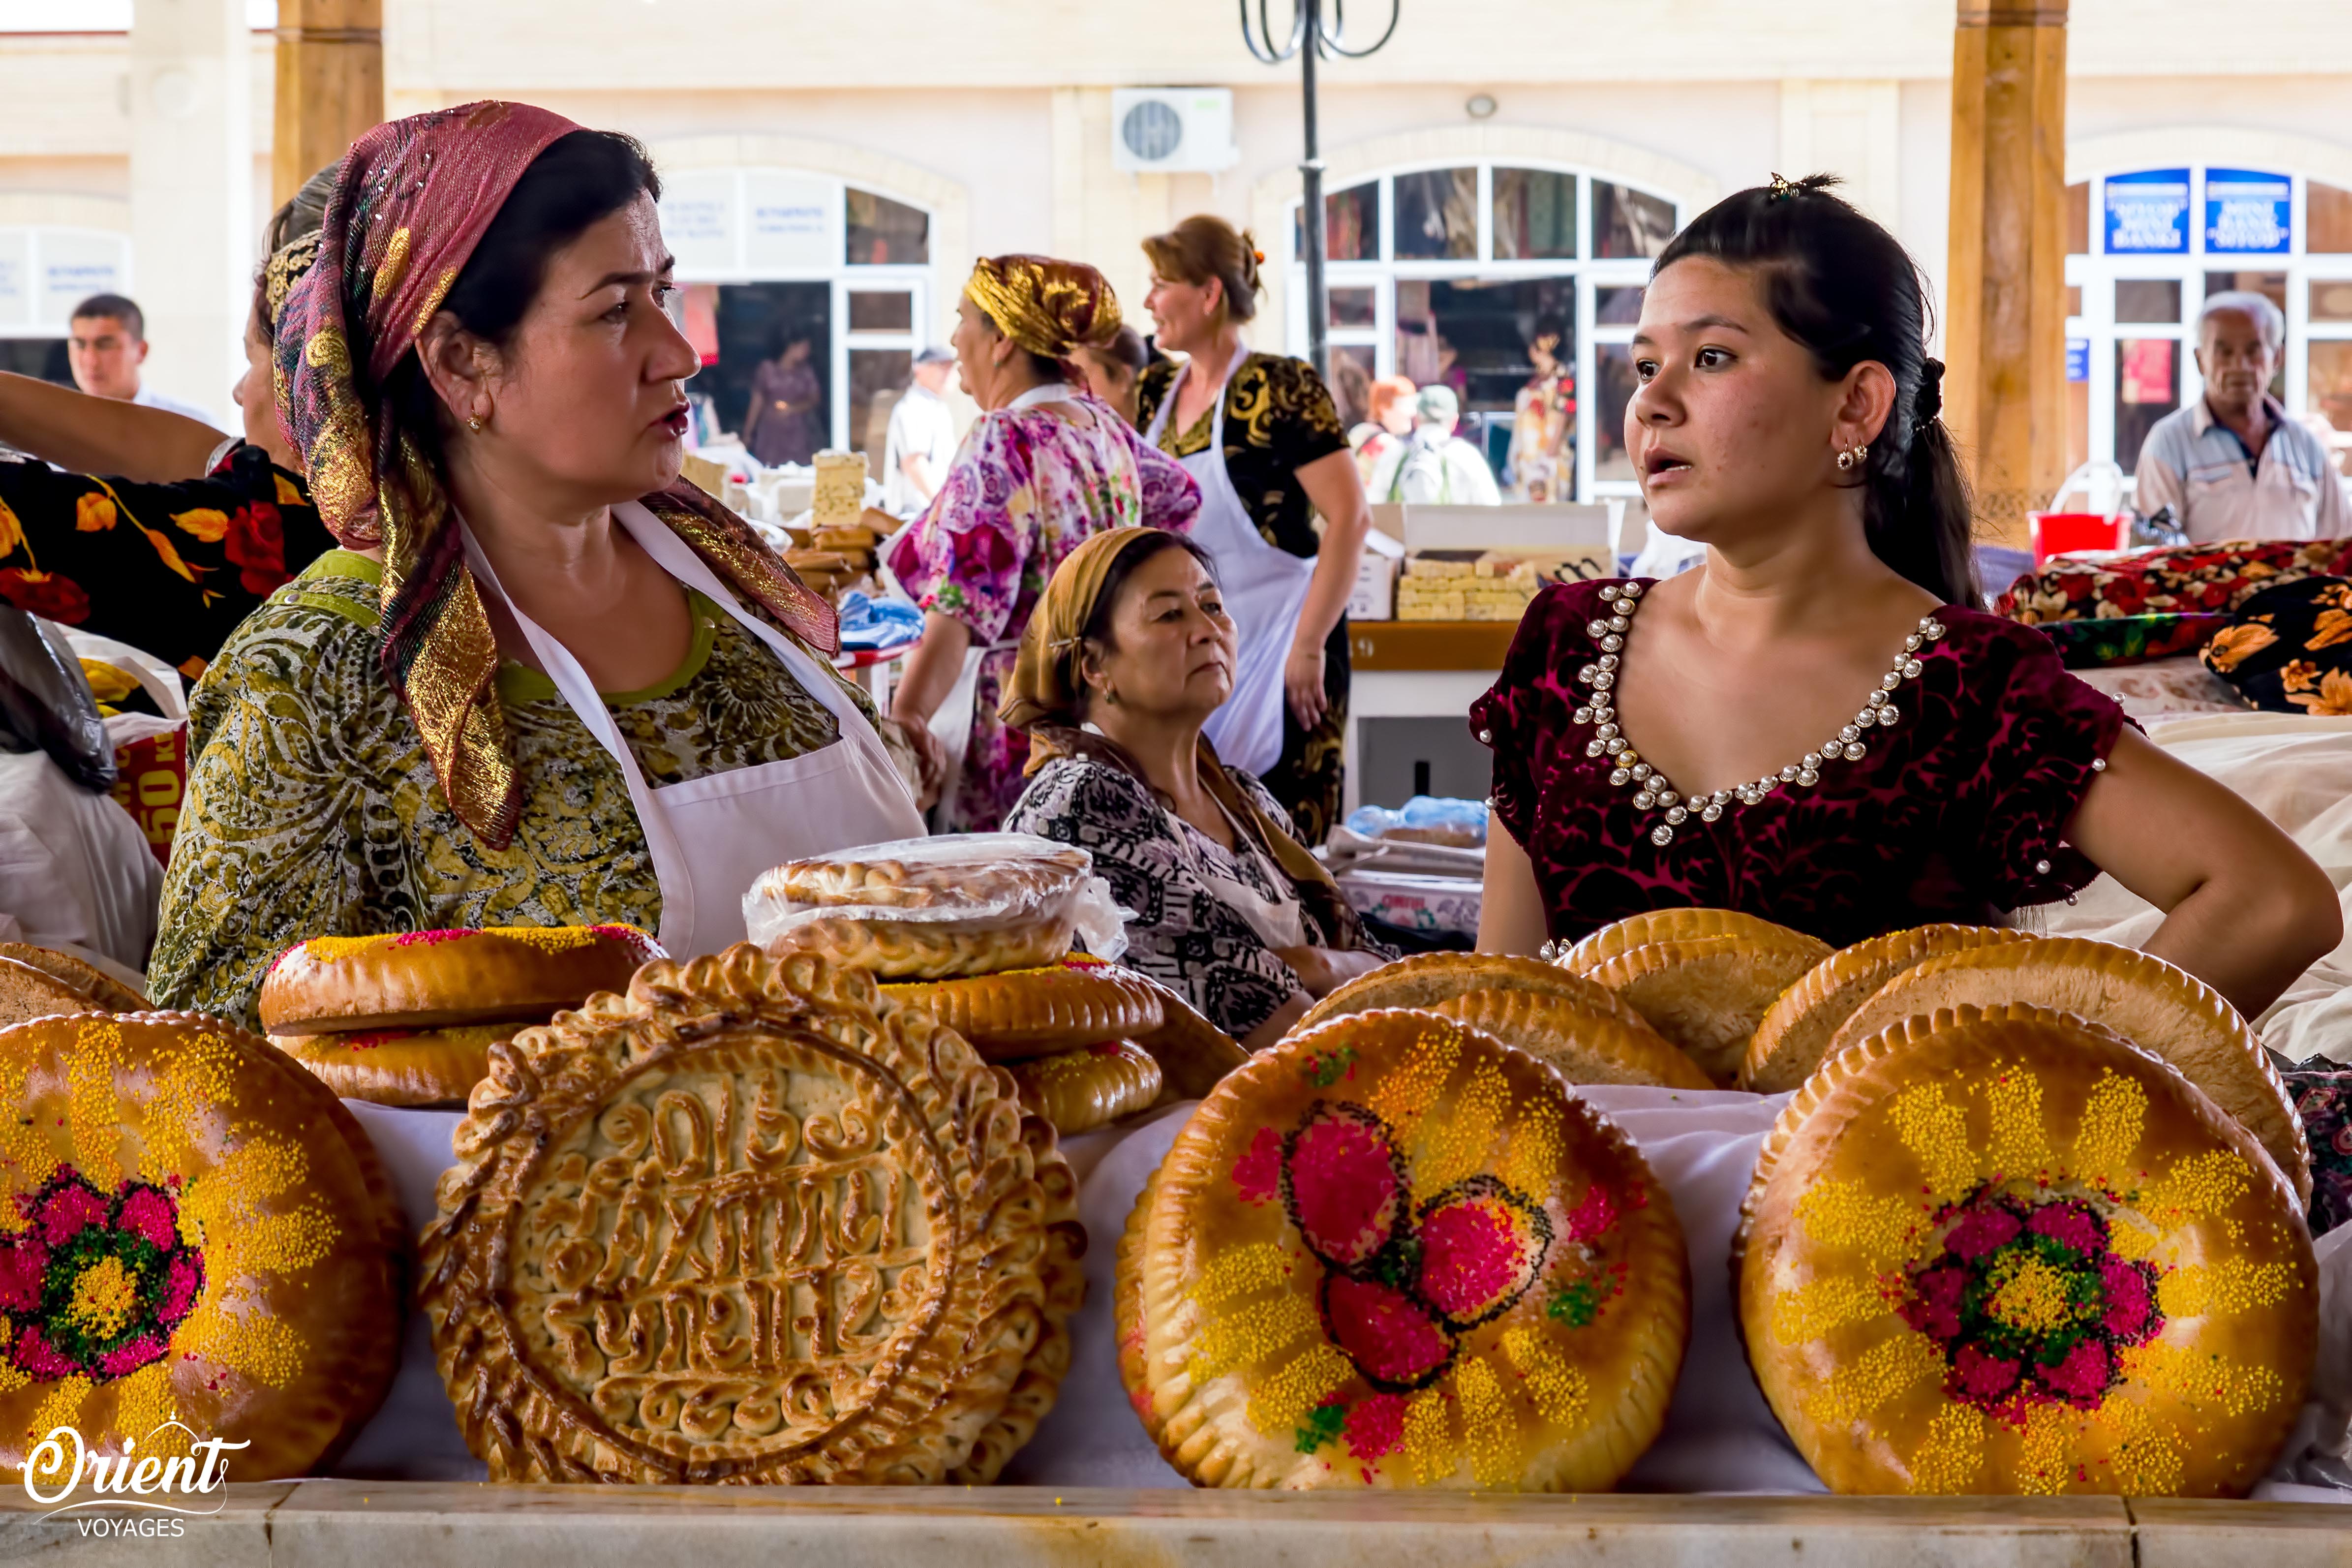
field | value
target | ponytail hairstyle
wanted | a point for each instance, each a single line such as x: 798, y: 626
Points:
x: 1846, y: 289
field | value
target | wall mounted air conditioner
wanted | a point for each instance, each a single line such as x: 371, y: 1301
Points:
x: 1171, y: 130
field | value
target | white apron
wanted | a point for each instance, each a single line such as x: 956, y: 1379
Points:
x: 1264, y: 590
x: 950, y: 722
x: 709, y: 837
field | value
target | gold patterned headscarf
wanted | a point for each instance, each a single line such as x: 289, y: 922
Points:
x: 287, y: 266
x: 412, y: 199
x: 1044, y: 306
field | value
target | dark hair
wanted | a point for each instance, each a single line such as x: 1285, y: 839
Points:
x: 1149, y: 544
x: 1845, y: 289
x: 119, y: 307
x: 1127, y: 347
x: 582, y: 178
x: 1203, y: 246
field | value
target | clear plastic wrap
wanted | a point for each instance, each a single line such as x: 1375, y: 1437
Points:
x: 957, y: 898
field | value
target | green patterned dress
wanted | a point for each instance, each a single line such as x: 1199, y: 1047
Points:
x: 312, y: 810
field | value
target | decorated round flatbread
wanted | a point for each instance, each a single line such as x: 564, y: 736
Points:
x: 1707, y: 993
x: 196, y: 1242
x: 1794, y: 1037
x: 751, y: 1223
x: 2007, y: 1251
x: 1395, y: 1252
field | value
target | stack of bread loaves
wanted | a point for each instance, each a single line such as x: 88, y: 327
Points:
x: 1581, y: 1029
x: 40, y: 982
x: 977, y: 930
x: 409, y: 1018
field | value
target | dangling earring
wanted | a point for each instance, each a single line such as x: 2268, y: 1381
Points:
x: 1853, y: 456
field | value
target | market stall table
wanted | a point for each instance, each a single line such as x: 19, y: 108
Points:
x: 873, y: 668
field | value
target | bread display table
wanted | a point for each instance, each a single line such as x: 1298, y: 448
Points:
x: 358, y: 1524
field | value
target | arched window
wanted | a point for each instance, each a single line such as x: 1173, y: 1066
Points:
x: 1516, y: 282
x: 772, y: 258
x: 2148, y: 248
x: 45, y: 271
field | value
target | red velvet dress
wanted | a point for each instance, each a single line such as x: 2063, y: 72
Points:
x: 1956, y: 812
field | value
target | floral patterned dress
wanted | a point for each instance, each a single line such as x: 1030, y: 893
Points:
x: 1957, y: 812
x: 1027, y: 488
x: 170, y: 569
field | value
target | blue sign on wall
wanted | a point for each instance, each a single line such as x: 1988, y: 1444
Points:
x: 2078, y: 359
x: 2147, y: 213
x: 2246, y: 212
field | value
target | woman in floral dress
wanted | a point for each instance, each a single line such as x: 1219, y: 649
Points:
x: 1046, y: 467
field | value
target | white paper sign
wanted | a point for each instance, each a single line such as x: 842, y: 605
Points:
x: 699, y: 219
x: 789, y: 221
x: 16, y: 278
x: 73, y: 267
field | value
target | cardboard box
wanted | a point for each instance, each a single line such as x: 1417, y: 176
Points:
x: 1566, y: 542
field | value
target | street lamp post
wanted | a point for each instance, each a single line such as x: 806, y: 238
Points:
x: 1307, y: 40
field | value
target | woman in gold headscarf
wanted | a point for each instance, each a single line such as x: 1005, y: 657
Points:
x: 1046, y: 467
x: 1128, y: 655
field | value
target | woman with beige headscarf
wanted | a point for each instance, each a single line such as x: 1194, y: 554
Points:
x: 1046, y: 467
x: 1128, y: 653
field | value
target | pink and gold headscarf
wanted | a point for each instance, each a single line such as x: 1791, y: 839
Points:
x: 413, y: 198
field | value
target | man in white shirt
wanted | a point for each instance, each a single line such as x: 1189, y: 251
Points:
x: 922, y: 439
x: 106, y: 346
x: 2233, y: 465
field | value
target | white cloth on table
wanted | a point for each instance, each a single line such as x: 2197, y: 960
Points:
x: 1720, y: 1436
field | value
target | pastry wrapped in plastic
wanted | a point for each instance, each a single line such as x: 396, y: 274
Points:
x: 936, y: 908
x: 751, y: 1223
x: 2004, y: 1251
x: 1394, y: 1252
x: 203, y: 1244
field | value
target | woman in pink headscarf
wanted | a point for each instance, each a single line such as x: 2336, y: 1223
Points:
x: 543, y: 683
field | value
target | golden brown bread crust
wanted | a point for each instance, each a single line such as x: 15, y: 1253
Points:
x: 915, y: 885
x: 1193, y: 1054
x: 1127, y: 1308
x: 107, y: 995
x: 2149, y: 1002
x: 1581, y: 1044
x: 1092, y: 1087
x: 2004, y: 1251
x: 1427, y: 979
x: 842, y: 1145
x: 1794, y: 1037
x: 220, y: 1216
x: 917, y: 949
x: 399, y: 1067
x: 1026, y: 1013
x: 1683, y: 925
x: 1707, y: 994
x: 27, y: 993
x: 423, y: 980
x: 1393, y: 1251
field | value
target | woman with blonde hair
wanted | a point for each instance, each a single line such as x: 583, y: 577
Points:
x: 1047, y: 466
x: 1260, y: 433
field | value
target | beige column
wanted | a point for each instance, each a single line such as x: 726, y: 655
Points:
x: 192, y: 228
x: 329, y: 85
x: 2005, y: 392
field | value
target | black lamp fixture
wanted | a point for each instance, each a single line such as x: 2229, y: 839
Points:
x: 1309, y: 38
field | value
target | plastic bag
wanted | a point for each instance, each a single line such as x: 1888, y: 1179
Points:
x: 45, y: 703
x: 955, y: 884
x: 1424, y: 819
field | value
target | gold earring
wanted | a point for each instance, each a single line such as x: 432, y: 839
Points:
x: 473, y: 423
x: 1853, y: 456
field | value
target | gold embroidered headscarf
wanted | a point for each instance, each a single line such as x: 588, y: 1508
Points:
x: 1044, y: 306
x: 412, y: 199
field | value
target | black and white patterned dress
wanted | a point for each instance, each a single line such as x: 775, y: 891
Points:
x: 1185, y: 934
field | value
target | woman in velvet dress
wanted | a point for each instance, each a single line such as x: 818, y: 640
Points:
x: 1830, y: 733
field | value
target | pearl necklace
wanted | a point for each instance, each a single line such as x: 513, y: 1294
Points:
x: 1652, y: 791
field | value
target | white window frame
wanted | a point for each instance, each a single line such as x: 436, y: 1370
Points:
x: 1382, y: 275
x: 842, y: 277
x: 2097, y: 272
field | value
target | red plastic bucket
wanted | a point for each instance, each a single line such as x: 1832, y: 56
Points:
x: 2056, y: 533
